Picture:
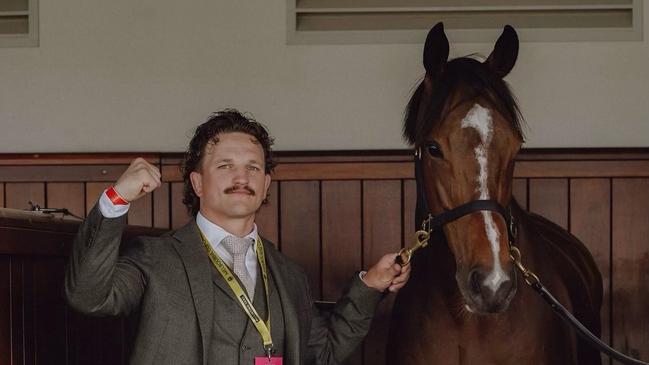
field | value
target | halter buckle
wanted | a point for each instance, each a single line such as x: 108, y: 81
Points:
x: 425, y: 225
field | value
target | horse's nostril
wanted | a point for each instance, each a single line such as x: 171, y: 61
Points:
x: 475, y: 281
x: 504, y: 289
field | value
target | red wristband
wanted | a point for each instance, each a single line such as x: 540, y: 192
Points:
x: 114, y: 197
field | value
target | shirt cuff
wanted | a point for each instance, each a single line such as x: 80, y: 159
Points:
x: 110, y: 210
x: 361, y: 275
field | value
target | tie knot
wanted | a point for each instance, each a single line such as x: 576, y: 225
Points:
x: 236, y: 246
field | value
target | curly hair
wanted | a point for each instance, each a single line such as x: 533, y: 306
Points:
x: 225, y: 121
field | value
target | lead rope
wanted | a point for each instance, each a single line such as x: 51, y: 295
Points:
x: 533, y: 281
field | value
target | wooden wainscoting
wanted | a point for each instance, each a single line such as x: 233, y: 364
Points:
x: 336, y: 213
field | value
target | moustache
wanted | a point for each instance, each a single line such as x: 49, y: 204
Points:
x: 232, y: 189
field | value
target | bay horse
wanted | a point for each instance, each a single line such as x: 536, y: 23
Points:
x: 464, y: 303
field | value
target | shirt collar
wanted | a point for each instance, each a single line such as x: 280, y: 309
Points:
x: 215, y: 233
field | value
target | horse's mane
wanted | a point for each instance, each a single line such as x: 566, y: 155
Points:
x: 467, y: 78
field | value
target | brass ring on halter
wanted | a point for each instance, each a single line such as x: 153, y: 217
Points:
x: 405, y: 254
x: 422, y: 238
x: 425, y: 225
x: 515, y: 256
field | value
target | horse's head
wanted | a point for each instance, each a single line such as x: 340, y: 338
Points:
x: 465, y: 122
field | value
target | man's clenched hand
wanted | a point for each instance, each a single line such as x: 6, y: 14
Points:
x: 139, y: 179
x: 387, y: 274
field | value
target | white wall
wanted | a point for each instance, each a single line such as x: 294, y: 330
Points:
x: 127, y: 75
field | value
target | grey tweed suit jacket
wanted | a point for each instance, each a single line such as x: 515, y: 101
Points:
x: 168, y: 278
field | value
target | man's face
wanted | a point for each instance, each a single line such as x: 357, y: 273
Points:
x: 231, y: 181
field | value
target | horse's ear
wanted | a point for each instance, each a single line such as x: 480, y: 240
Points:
x: 435, y: 50
x: 503, y: 57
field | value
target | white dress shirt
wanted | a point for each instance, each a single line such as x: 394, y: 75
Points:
x: 215, y: 234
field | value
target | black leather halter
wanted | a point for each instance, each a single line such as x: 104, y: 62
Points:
x: 431, y: 223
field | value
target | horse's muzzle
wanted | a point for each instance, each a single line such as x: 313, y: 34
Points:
x: 484, y: 296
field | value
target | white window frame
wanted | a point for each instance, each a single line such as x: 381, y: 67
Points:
x: 294, y: 36
x: 29, y: 39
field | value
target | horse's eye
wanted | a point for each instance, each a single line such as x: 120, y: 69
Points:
x: 434, y: 150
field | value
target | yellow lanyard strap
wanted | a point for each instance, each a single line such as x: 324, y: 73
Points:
x: 246, y: 304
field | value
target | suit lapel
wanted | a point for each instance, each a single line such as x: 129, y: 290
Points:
x: 189, y: 246
x: 286, y: 296
x: 220, y: 282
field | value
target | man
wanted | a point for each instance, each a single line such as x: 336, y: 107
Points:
x: 213, y: 292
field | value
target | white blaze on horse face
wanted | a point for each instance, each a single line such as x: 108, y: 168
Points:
x: 479, y: 118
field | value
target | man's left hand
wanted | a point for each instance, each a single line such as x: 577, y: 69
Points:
x: 387, y: 274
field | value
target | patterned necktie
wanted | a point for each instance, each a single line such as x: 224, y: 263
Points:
x: 238, y: 248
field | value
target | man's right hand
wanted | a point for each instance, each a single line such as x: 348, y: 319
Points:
x: 139, y: 179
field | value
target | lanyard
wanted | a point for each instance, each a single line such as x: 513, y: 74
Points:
x: 246, y: 304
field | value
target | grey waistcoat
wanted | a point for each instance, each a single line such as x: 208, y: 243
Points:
x: 234, y: 339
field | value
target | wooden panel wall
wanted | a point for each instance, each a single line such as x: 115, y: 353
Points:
x: 334, y: 214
